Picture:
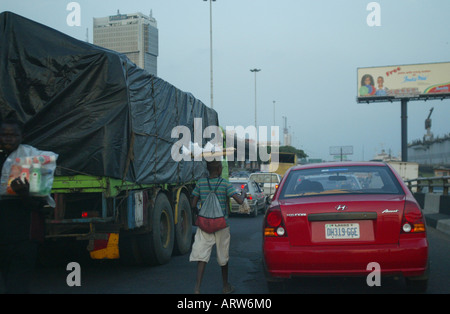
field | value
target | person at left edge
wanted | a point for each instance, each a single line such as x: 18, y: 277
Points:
x: 21, y: 220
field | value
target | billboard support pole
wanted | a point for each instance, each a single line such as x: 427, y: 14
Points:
x: 404, y: 118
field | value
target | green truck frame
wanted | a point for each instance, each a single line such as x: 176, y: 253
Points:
x: 138, y: 224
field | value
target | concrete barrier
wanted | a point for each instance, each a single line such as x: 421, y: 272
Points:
x: 434, y: 203
x: 436, y: 208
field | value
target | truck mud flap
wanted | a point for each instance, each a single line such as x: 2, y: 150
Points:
x: 105, y: 246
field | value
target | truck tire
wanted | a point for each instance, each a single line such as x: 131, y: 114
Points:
x: 183, y: 229
x: 157, y: 245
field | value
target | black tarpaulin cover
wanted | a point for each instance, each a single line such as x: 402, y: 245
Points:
x: 102, y: 114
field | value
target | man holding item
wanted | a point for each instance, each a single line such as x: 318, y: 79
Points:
x: 203, y: 242
x: 21, y: 221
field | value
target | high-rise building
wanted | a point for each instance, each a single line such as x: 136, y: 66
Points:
x: 135, y: 35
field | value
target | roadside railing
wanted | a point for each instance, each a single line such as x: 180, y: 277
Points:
x: 429, y: 185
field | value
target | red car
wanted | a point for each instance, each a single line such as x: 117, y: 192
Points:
x: 337, y: 218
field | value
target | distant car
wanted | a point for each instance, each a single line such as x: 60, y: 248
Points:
x: 267, y: 181
x: 337, y: 218
x: 255, y: 197
x: 240, y: 174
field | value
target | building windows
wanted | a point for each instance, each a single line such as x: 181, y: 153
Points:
x: 135, y: 35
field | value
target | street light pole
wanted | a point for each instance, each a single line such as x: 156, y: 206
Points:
x: 255, y: 71
x: 211, y: 49
x: 274, y: 113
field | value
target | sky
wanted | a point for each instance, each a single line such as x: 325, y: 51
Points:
x: 308, y: 53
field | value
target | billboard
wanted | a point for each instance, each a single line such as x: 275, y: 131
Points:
x: 416, y: 81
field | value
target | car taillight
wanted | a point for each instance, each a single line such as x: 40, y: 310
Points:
x: 412, y: 219
x: 273, y: 225
x: 249, y: 197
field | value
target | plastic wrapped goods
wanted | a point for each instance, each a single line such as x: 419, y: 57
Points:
x: 28, y: 163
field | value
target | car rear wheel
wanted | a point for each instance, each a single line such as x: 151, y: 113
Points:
x: 418, y: 284
x: 276, y: 287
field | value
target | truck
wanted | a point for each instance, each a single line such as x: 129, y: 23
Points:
x: 280, y: 162
x: 116, y: 187
x: 407, y: 170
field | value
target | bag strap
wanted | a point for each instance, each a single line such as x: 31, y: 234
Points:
x: 215, y: 189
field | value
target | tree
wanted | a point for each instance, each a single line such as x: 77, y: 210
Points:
x: 290, y: 149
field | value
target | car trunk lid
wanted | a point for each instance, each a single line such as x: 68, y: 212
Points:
x: 343, y: 219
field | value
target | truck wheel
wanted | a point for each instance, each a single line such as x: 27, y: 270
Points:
x: 156, y: 246
x: 183, y: 229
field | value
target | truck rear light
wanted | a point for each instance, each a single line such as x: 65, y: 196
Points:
x: 273, y: 224
x: 413, y: 220
x: 89, y: 214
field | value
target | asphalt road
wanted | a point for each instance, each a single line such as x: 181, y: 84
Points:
x: 245, y: 272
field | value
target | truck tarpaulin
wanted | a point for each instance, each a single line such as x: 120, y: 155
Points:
x: 96, y: 109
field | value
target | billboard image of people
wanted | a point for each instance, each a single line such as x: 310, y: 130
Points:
x: 404, y: 81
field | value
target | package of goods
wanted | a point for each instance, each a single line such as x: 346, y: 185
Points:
x: 97, y: 110
x: 244, y: 208
x: 30, y: 165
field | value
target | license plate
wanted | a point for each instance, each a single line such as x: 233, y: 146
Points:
x: 342, y: 231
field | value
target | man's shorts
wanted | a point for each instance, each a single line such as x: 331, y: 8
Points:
x: 203, y: 243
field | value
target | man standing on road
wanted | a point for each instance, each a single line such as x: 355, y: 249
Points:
x: 203, y: 242
x: 21, y: 223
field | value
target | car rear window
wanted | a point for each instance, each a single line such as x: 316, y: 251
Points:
x: 240, y: 186
x: 340, y: 180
